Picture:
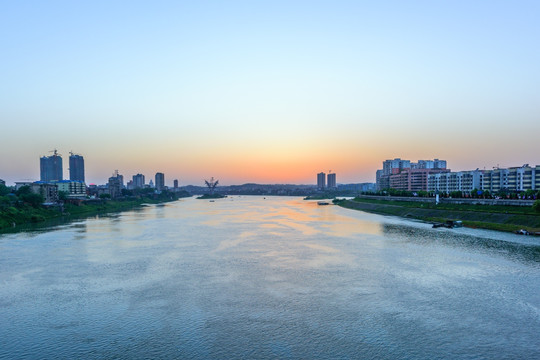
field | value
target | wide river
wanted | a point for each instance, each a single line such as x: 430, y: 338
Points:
x: 275, y: 278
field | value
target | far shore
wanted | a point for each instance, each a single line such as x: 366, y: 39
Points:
x: 29, y: 218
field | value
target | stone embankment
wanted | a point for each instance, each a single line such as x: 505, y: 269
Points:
x: 480, y: 219
x: 470, y: 201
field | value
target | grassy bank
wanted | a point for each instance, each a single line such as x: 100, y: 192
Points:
x: 211, y: 196
x: 17, y: 216
x: 502, y: 218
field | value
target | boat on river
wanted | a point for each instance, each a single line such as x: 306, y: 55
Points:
x: 323, y: 203
x: 450, y: 224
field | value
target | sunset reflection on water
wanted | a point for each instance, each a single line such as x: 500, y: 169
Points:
x: 241, y: 276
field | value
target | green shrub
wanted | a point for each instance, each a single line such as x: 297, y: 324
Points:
x: 37, y: 218
x: 536, y: 206
x: 4, y: 190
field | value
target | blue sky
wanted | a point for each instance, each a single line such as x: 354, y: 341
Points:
x: 268, y: 91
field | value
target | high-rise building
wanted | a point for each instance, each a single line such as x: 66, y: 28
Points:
x: 51, y: 167
x: 120, y: 179
x: 332, y: 181
x: 429, y: 164
x: 395, y: 166
x: 115, y: 187
x: 116, y: 184
x: 138, y: 181
x: 321, y: 180
x: 160, y: 181
x: 175, y: 182
x: 76, y: 167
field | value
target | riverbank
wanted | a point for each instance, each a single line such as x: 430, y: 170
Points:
x: 14, y: 217
x: 501, y: 218
x: 211, y: 196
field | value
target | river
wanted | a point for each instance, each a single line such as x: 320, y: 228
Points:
x: 278, y: 278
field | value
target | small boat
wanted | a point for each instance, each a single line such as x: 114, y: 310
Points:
x: 323, y: 203
x: 450, y: 224
x: 456, y: 223
x: 212, y: 200
x: 522, y: 232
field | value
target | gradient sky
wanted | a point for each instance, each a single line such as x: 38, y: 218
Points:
x: 267, y: 91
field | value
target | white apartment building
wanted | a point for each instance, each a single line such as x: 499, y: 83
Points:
x: 464, y: 181
x: 512, y: 179
x: 76, y: 189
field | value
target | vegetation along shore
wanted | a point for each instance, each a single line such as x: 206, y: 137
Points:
x: 493, y: 217
x: 24, y: 207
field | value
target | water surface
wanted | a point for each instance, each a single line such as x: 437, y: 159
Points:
x: 248, y: 277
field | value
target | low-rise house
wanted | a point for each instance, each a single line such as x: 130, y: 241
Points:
x: 74, y: 189
x: 20, y: 184
x: 47, y: 190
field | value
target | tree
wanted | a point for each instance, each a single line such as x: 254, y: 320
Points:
x: 35, y: 200
x: 23, y: 190
x: 105, y: 196
x: 5, y: 202
x: 63, y: 195
x: 536, y: 206
x: 4, y: 190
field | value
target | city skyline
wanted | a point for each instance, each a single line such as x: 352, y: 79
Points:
x: 268, y: 92
x: 320, y: 181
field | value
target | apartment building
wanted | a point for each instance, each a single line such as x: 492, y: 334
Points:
x: 513, y: 179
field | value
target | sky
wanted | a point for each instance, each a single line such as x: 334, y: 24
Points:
x: 267, y: 91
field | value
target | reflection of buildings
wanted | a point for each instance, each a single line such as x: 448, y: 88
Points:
x: 510, y: 179
x: 76, y: 167
x: 321, y: 180
x: 51, y: 167
x: 160, y: 181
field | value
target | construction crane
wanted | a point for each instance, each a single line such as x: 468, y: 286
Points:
x: 73, y: 154
x: 55, y: 152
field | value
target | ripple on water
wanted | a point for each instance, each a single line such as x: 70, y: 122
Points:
x: 273, y: 278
